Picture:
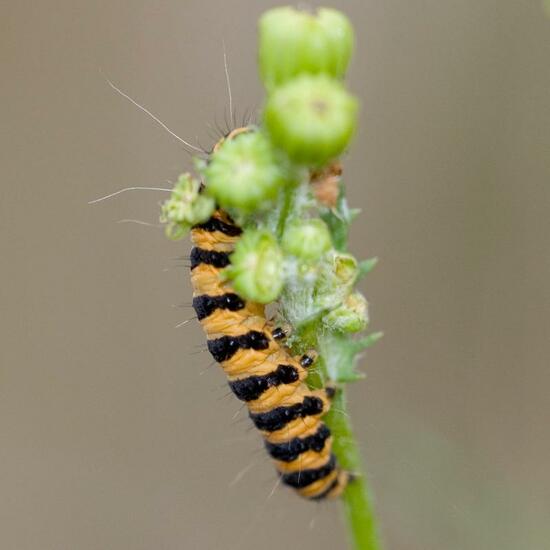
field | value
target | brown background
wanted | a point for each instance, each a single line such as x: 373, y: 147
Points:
x: 114, y: 434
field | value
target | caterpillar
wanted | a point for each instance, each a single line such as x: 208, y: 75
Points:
x: 261, y: 371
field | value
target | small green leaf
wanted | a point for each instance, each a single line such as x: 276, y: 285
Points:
x: 339, y: 220
x: 353, y: 213
x: 339, y: 354
x: 366, y: 266
x: 367, y: 341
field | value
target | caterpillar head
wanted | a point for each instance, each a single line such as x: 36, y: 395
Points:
x: 231, y: 135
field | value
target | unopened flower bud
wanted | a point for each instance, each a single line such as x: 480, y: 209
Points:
x: 243, y: 173
x: 311, y: 118
x: 346, y: 268
x: 351, y: 316
x: 294, y: 42
x: 338, y: 275
x: 307, y: 240
x: 256, y: 267
x: 185, y: 207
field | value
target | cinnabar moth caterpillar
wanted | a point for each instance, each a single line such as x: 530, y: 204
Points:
x: 261, y: 371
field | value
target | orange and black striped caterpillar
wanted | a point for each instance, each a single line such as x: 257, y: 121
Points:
x: 261, y: 370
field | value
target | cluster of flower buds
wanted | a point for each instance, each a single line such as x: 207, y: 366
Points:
x: 254, y: 173
x: 186, y: 207
x: 303, y: 58
x: 346, y: 308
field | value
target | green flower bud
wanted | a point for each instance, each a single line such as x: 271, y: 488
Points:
x: 351, y: 316
x: 185, y: 207
x: 257, y: 267
x: 307, y: 240
x: 337, y: 277
x: 312, y: 118
x: 294, y: 42
x: 346, y: 268
x: 243, y: 173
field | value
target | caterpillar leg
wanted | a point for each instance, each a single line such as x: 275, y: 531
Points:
x: 330, y: 389
x: 281, y: 332
x: 307, y: 359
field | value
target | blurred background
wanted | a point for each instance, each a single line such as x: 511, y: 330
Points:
x: 114, y: 432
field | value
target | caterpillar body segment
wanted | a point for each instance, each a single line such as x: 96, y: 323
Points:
x: 261, y: 371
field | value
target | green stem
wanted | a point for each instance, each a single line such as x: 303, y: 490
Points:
x: 286, y: 208
x: 357, y: 497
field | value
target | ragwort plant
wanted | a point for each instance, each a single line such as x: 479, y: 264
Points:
x: 278, y: 185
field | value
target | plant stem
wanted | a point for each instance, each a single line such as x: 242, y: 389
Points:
x: 286, y: 208
x: 357, y: 497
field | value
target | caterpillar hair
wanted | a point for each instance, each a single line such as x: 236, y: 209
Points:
x: 261, y: 370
